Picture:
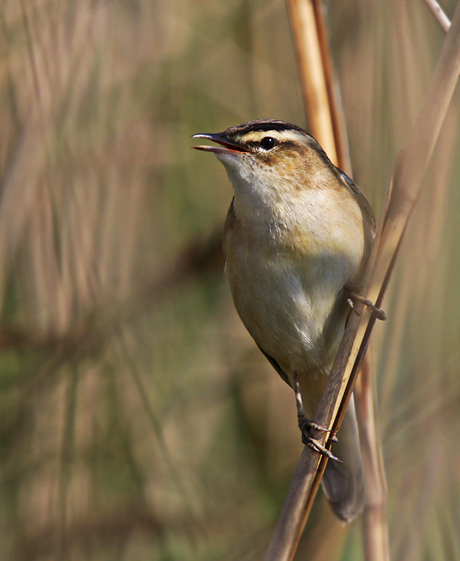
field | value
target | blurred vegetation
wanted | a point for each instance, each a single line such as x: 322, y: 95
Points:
x: 137, y: 419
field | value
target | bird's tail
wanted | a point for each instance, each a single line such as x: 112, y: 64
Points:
x: 343, y: 483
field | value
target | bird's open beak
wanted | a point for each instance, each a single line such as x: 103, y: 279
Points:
x: 226, y: 146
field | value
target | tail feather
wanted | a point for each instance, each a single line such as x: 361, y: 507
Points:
x: 344, y: 483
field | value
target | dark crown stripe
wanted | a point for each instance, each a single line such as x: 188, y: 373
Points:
x: 264, y: 125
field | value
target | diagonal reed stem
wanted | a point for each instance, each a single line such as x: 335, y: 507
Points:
x: 408, y: 175
x: 439, y: 14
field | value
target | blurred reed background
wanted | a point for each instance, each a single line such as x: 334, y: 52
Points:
x: 138, y: 421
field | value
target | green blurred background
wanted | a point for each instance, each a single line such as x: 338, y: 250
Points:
x: 138, y: 421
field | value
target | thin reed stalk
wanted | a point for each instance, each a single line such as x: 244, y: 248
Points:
x: 439, y: 14
x: 374, y: 517
x: 310, y: 43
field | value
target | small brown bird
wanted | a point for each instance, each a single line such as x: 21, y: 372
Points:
x: 297, y: 238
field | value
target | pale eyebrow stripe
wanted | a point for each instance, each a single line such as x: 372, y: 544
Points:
x: 287, y: 135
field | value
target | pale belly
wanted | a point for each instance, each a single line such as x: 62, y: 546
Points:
x: 295, y: 311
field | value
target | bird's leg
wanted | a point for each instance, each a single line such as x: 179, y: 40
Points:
x: 354, y: 296
x: 306, y: 426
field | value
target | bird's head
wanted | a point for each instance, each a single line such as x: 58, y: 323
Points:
x: 271, y: 153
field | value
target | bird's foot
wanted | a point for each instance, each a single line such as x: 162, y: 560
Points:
x: 308, y: 427
x: 380, y: 314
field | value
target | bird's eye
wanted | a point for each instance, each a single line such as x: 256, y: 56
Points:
x: 268, y: 143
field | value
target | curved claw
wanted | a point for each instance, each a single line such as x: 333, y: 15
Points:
x: 315, y: 426
x: 317, y: 447
x: 306, y: 425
